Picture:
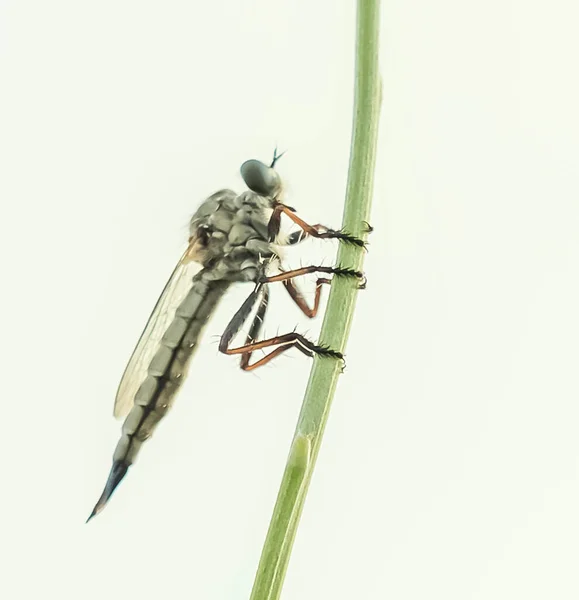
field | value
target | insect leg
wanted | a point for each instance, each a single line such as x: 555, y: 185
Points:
x: 283, y: 342
x: 255, y: 328
x: 259, y: 295
x: 317, y: 231
x: 297, y: 237
x: 293, y: 290
x: 337, y: 271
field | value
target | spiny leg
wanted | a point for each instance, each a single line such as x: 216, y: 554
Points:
x: 296, y: 237
x: 287, y: 276
x: 337, y: 271
x: 317, y: 231
x: 283, y: 342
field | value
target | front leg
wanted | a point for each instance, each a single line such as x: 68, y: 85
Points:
x: 317, y: 231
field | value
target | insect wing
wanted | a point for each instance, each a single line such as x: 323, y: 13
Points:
x: 163, y: 314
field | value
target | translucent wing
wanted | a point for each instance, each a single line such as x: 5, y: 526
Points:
x: 164, y: 312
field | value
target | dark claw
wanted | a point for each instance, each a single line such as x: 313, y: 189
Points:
x: 369, y: 228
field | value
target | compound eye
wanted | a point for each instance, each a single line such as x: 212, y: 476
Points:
x: 260, y: 178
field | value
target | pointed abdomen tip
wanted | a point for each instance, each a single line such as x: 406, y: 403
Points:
x: 118, y: 471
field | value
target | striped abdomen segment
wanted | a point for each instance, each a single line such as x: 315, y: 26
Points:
x: 165, y: 374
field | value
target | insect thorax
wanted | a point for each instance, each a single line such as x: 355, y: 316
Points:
x: 230, y: 232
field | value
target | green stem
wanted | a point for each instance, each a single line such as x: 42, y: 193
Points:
x: 338, y: 318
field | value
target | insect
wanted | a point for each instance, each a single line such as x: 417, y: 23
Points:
x: 233, y: 238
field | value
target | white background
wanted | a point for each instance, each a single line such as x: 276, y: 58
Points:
x: 449, y: 468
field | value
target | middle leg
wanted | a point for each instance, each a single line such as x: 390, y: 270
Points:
x: 296, y: 295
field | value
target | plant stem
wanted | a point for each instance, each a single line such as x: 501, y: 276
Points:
x: 338, y: 318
